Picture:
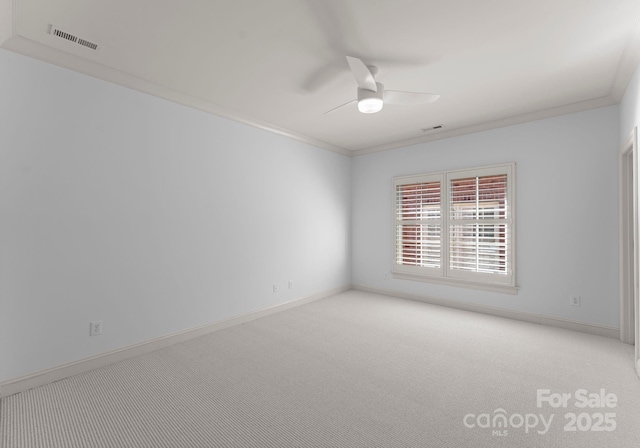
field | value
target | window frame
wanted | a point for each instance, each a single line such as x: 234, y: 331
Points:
x: 504, y: 283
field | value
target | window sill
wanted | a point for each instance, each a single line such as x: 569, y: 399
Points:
x: 493, y: 287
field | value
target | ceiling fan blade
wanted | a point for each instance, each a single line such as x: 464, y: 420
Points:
x: 342, y: 105
x: 408, y: 98
x: 323, y: 76
x: 363, y: 75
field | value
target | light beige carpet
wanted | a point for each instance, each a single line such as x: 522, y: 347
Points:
x: 353, y: 370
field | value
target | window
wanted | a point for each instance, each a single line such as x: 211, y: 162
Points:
x: 457, y: 228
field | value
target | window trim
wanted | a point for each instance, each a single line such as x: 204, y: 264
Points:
x: 488, y: 282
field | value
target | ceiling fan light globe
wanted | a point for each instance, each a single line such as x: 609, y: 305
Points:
x: 371, y: 101
x: 370, y: 105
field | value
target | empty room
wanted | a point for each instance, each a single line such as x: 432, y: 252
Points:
x: 319, y: 223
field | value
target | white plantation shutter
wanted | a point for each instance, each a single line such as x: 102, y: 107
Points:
x: 419, y: 224
x: 456, y: 226
x: 478, y: 224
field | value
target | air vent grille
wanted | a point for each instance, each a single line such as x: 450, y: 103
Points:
x: 57, y: 32
x: 433, y: 128
x: 88, y: 44
x: 64, y: 35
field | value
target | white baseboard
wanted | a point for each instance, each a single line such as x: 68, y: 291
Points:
x: 20, y: 384
x: 600, y: 330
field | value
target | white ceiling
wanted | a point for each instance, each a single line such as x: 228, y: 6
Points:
x: 280, y: 64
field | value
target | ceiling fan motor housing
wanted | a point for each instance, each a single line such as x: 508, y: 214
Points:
x: 370, y: 101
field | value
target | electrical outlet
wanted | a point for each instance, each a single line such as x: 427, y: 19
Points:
x: 95, y: 328
x: 574, y: 300
x: 275, y: 288
x: 290, y: 284
x: 386, y: 275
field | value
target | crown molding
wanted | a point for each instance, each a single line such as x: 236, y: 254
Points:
x: 11, y: 40
x: 31, y: 48
x: 628, y: 64
x: 494, y: 124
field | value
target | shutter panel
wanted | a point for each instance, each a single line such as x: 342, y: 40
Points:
x: 478, y: 227
x: 419, y: 224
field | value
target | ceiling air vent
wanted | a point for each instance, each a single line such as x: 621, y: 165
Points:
x: 57, y: 32
x: 433, y: 128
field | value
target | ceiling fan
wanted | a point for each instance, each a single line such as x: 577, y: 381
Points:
x: 372, y: 95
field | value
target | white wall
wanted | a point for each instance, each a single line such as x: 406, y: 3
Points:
x: 567, y: 213
x: 150, y: 216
